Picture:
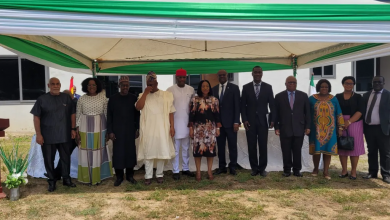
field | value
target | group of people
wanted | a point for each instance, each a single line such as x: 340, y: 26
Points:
x: 181, y: 120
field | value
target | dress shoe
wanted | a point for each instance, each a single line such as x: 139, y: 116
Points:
x: 370, y: 176
x: 286, y: 174
x: 52, y: 186
x: 297, y: 174
x: 233, y: 172
x: 386, y: 179
x: 68, y: 182
x: 160, y: 180
x: 176, y: 176
x: 148, y: 182
x: 254, y: 173
x: 343, y: 176
x: 131, y: 180
x: 263, y: 173
x: 220, y: 171
x: 118, y: 181
x: 352, y: 177
x: 188, y: 173
x: 55, y: 178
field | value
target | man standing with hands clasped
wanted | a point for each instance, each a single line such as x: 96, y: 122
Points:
x: 122, y: 127
x: 55, y: 127
x: 182, y: 95
x: 292, y: 122
x: 228, y: 95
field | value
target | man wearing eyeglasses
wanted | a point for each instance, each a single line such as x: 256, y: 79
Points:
x: 292, y: 122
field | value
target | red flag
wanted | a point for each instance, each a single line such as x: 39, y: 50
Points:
x: 71, y: 85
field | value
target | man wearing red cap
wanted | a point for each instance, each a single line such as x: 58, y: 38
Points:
x: 182, y: 94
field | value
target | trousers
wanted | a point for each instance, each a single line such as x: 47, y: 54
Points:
x: 149, y: 168
x: 49, y: 153
x: 184, y: 143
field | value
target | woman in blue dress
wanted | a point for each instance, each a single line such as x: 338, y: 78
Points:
x: 327, y: 123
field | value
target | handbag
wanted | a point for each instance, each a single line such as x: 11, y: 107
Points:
x: 345, y: 143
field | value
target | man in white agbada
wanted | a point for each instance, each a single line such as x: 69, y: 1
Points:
x: 156, y: 128
x: 182, y: 95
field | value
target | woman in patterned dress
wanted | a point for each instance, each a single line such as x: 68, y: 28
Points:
x: 91, y: 113
x: 204, y: 126
x: 326, y: 124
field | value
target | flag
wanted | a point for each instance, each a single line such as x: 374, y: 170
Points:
x: 312, y: 87
x: 71, y: 85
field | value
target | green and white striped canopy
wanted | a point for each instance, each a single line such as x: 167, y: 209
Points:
x: 133, y: 37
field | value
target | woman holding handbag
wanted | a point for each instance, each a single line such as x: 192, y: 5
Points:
x: 352, y: 107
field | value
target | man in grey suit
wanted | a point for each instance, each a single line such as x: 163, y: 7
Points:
x: 292, y: 122
x: 376, y: 129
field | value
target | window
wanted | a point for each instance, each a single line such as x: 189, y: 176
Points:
x: 9, y: 83
x: 324, y: 71
x: 364, y: 71
x: 110, y: 83
x: 33, y: 80
x: 31, y: 76
x: 230, y: 77
x: 136, y: 85
x: 193, y: 80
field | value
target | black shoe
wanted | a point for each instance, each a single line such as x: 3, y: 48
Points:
x: 118, y: 181
x: 286, y: 174
x: 370, y: 176
x: 52, y: 186
x: 298, y: 174
x: 263, y: 173
x: 68, y: 182
x: 57, y: 178
x: 188, y: 173
x: 219, y: 171
x: 343, y: 176
x: 176, y: 176
x: 386, y: 179
x: 131, y: 180
x: 233, y: 172
x: 352, y: 177
x: 254, y: 173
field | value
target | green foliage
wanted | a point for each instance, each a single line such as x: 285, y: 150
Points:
x: 14, y: 182
x: 15, y: 162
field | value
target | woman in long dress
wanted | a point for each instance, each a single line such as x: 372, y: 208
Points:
x: 94, y: 162
x: 327, y: 122
x: 204, y: 126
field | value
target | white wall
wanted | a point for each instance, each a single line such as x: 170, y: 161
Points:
x: 20, y: 119
x: 165, y: 81
x: 277, y: 78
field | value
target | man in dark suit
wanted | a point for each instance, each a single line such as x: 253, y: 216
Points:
x: 228, y: 95
x: 376, y: 129
x: 292, y: 122
x: 255, y: 99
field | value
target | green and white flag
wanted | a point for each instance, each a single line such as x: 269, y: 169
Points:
x: 312, y: 87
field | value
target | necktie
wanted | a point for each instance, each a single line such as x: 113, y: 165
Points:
x: 368, y: 120
x: 221, y: 96
x: 257, y: 90
x: 291, y: 100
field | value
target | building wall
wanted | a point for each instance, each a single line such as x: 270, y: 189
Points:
x: 385, y: 70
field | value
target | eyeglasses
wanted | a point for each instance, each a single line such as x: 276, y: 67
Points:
x: 377, y: 82
x: 92, y: 85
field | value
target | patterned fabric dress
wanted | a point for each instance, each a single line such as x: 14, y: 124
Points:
x: 94, y: 163
x: 326, y: 118
x: 204, y: 117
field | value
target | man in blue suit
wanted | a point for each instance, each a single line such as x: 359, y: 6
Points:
x: 228, y: 95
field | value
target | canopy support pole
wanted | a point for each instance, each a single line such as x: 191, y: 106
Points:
x: 95, y: 68
x: 294, y: 64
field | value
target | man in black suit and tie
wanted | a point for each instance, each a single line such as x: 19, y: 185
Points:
x: 255, y: 99
x: 292, y: 122
x: 376, y: 129
x: 229, y: 111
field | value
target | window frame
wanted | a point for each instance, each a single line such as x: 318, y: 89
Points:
x: 316, y: 77
x: 21, y: 101
x: 353, y: 63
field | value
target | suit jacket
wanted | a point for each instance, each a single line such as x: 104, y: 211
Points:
x: 252, y: 108
x: 292, y: 122
x: 384, y: 110
x: 229, y: 107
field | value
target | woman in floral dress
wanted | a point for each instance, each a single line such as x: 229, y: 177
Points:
x: 204, y: 126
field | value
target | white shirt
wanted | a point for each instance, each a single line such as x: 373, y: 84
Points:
x: 375, y: 120
x: 181, y: 101
x: 220, y: 88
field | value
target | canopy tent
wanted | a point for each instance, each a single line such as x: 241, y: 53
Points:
x: 133, y: 37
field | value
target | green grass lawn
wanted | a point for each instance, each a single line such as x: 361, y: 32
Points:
x: 226, y: 197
